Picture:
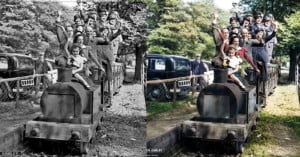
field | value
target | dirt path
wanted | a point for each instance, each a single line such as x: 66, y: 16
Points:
x: 123, y: 132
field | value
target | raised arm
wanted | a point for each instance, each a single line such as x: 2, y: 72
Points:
x: 66, y: 47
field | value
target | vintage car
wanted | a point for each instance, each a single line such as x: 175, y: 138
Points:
x: 15, y: 65
x: 161, y: 67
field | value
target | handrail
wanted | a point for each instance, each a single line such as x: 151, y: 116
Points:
x: 23, y: 77
x: 175, y: 79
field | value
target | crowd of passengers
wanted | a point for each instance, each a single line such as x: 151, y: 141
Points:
x: 247, y: 40
x: 91, y: 42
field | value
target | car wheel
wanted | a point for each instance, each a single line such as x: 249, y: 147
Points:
x: 157, y: 92
x: 3, y: 92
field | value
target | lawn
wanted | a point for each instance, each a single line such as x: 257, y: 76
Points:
x: 155, y: 108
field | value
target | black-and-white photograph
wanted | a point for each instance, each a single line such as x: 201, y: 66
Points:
x: 72, y: 78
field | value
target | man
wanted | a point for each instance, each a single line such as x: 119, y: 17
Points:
x: 257, y: 25
x: 269, y: 28
x: 198, y: 68
x: 245, y: 41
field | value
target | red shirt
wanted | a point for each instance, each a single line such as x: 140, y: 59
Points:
x: 243, y: 53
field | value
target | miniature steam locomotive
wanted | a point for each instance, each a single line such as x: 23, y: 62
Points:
x: 71, y: 112
x: 226, y: 112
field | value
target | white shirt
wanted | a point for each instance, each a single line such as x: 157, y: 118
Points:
x: 234, y: 61
x: 78, y: 60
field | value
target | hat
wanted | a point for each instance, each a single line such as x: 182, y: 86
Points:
x: 267, y: 18
x: 102, y: 11
x: 259, y: 14
x: 270, y: 15
x: 259, y: 28
x: 114, y: 15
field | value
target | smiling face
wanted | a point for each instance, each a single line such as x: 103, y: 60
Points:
x: 258, y: 19
x: 246, y: 23
x: 79, y: 40
x: 231, y: 52
x: 244, y: 33
x: 89, y: 31
x: 226, y: 33
x: 75, y: 51
x: 103, y: 16
x: 77, y: 21
x: 235, y: 42
x: 260, y: 34
x: 70, y: 31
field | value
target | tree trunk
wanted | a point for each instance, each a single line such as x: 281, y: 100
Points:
x: 139, y: 54
x: 293, y: 64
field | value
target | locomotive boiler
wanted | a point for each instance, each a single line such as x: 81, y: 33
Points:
x: 70, y: 112
x: 226, y: 113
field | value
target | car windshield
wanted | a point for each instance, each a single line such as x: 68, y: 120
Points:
x: 182, y: 64
x: 25, y: 63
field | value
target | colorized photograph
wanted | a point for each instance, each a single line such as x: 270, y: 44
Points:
x: 223, y: 78
x: 72, y: 78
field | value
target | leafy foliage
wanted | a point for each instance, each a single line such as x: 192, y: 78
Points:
x: 181, y: 28
x: 22, y: 22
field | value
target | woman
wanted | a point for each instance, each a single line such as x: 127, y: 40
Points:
x: 86, y: 52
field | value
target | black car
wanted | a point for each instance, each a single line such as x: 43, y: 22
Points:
x: 15, y: 65
x: 161, y: 67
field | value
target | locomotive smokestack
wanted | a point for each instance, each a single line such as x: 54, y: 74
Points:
x: 220, y: 75
x: 64, y: 74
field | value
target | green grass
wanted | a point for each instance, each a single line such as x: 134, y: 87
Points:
x: 155, y: 107
x: 265, y: 134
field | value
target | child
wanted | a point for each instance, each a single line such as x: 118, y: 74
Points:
x: 77, y: 61
x: 233, y: 65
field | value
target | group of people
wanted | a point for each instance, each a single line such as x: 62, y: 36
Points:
x: 246, y: 38
x: 91, y: 42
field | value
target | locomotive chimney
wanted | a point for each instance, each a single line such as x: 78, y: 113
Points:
x: 220, y: 75
x: 64, y: 74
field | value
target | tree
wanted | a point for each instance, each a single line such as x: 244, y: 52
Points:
x: 181, y: 28
x: 23, y: 21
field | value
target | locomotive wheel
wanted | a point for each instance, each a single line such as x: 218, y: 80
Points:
x: 84, y: 149
x: 81, y: 147
x: 99, y: 123
x: 239, y: 147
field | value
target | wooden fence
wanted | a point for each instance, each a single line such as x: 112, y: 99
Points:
x: 17, y: 80
x: 206, y: 76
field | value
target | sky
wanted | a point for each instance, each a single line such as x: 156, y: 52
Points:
x: 222, y: 4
